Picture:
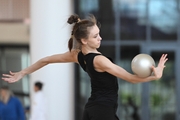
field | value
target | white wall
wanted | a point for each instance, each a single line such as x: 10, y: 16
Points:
x: 49, y: 35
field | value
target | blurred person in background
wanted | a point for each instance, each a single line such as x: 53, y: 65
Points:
x: 38, y: 111
x: 10, y: 106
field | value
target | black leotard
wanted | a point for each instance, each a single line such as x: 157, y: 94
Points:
x: 104, y: 85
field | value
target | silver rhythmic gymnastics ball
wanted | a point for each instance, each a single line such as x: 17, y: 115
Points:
x: 141, y: 65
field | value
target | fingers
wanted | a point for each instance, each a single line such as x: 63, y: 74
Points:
x: 8, y: 77
x: 9, y: 80
x: 152, y: 67
x: 11, y: 73
x: 163, y: 60
x: 163, y: 57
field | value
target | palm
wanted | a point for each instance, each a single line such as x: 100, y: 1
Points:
x: 158, y: 71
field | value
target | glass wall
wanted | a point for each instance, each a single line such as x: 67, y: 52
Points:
x: 14, y: 50
x: 163, y: 21
x: 133, y: 19
x: 130, y: 27
x: 162, y: 92
x: 15, y: 58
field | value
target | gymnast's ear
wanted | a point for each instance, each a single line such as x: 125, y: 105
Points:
x: 84, y: 41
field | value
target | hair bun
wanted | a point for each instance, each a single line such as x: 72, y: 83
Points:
x: 73, y: 19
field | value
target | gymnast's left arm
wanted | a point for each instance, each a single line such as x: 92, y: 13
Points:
x: 70, y: 56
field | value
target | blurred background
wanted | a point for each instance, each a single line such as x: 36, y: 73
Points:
x: 128, y: 27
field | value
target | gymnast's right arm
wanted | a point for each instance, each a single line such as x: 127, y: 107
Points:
x: 70, y: 56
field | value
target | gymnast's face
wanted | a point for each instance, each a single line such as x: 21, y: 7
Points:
x: 94, y: 39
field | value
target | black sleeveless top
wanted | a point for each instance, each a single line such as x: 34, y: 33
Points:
x: 104, y: 85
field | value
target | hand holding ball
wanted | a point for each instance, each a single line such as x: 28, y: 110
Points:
x: 142, y: 64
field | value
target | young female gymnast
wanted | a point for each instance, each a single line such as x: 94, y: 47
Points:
x: 103, y: 72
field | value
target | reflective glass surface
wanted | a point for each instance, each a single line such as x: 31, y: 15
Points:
x: 130, y: 27
x: 0, y: 61
x: 103, y: 10
x: 15, y: 59
x: 128, y: 52
x: 163, y: 18
x: 162, y: 92
x: 133, y: 19
x: 108, y: 51
x: 129, y: 94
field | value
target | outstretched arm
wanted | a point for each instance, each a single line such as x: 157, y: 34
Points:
x: 102, y: 64
x: 58, y: 58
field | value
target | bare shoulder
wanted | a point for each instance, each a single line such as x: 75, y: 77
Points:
x: 69, y: 56
x: 100, y: 58
x: 74, y: 54
x: 102, y: 63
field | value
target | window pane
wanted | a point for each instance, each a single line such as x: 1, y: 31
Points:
x: 15, y: 59
x: 130, y: 94
x: 0, y: 63
x: 106, y: 18
x: 89, y: 6
x: 163, y: 21
x: 128, y: 52
x: 129, y: 98
x: 103, y: 10
x: 162, y: 95
x: 108, y: 51
x: 133, y: 19
x: 85, y: 90
x: 130, y: 18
